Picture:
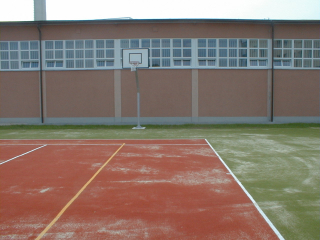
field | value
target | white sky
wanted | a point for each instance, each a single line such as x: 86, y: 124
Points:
x: 22, y: 10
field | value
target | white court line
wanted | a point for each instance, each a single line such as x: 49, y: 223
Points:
x: 250, y: 197
x: 102, y: 144
x: 23, y: 154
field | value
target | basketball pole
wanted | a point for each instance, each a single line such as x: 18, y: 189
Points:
x: 138, y: 101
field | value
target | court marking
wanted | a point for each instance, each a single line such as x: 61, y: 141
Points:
x: 23, y: 154
x: 77, y: 195
x: 249, y: 196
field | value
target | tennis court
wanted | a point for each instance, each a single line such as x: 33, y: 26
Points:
x: 123, y: 189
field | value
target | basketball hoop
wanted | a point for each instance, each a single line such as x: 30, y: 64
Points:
x: 134, y: 65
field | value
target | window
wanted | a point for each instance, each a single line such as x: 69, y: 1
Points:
x: 297, y: 53
x: 19, y: 55
x: 182, y: 52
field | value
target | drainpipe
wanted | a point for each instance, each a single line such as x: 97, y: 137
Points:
x: 40, y: 74
x: 272, y: 73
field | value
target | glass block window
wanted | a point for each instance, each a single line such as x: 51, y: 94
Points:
x: 19, y: 55
x: 296, y: 53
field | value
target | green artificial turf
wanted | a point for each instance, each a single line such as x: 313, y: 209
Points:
x: 277, y: 163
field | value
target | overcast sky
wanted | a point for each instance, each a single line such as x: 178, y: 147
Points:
x: 22, y: 10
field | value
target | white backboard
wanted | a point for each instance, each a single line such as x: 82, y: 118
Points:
x: 140, y: 55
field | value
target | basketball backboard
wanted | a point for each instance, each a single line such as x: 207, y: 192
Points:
x: 140, y: 55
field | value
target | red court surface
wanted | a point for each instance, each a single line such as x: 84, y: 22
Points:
x: 123, y: 189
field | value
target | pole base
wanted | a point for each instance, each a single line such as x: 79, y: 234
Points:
x: 139, y: 127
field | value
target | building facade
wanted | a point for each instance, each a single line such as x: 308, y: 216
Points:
x: 200, y: 71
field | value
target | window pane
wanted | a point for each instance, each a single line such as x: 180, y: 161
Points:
x: 242, y: 62
x: 202, y: 42
x: 79, y: 64
x: 253, y: 53
x: 88, y: 44
x: 49, y: 55
x: 211, y: 52
x: 50, y: 64
x: 110, y: 63
x: 232, y: 62
x: 165, y: 43
x: 298, y: 53
x: 277, y: 53
x: 134, y: 43
x: 155, y: 62
x: 186, y: 62
x: 278, y: 43
x: 186, y: 52
x: 79, y: 54
x: 316, y: 53
x: 298, y: 63
x: 99, y: 44
x: 89, y: 54
x: 253, y: 43
x: 4, y: 64
x: 263, y: 43
x: 124, y: 43
x: 165, y: 52
x: 33, y: 45
x: 26, y: 65
x: 5, y: 46
x: 155, y: 43
x: 202, y: 52
x: 155, y: 52
x: 24, y: 55
x: 89, y: 63
x: 316, y: 43
x: 287, y: 43
x: 79, y: 44
x: 263, y: 52
x: 59, y: 54
x: 109, y: 43
x: 58, y: 44
x: 48, y: 44
x: 223, y: 43
x: 287, y: 53
x: 100, y: 63
x: 70, y: 54
x: 243, y: 43
x: 243, y: 53
x: 177, y: 62
x: 70, y: 64
x: 316, y: 63
x: 233, y: 43
x: 277, y: 63
x: 308, y: 43
x: 222, y: 52
x: 100, y: 53
x: 298, y: 43
x: 34, y: 55
x: 223, y: 62
x: 145, y: 43
x: 14, y: 55
x: 286, y: 63
x: 69, y: 44
x: 4, y: 56
x: 166, y: 62
x: 176, y: 42
x: 253, y: 63
x: 233, y: 53
x: 308, y: 53
x: 109, y: 53
x: 262, y: 62
x: 13, y: 46
x: 212, y: 43
x: 14, y: 65
x: 211, y: 62
x: 186, y: 42
x: 58, y: 64
x: 202, y: 62
x: 177, y: 52
x: 307, y: 63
